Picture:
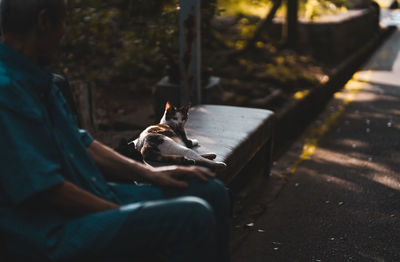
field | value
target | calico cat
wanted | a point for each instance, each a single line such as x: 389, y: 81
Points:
x: 167, y: 142
x: 128, y: 149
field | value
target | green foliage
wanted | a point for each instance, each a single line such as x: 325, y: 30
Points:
x: 308, y: 8
x: 90, y: 30
x: 318, y: 8
x: 127, y: 44
x: 119, y: 40
x: 384, y: 3
x: 245, y: 7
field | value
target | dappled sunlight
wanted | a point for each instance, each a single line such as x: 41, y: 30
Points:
x: 363, y: 75
x: 235, y: 7
x: 392, y: 182
x: 323, y: 176
x: 328, y: 156
x: 380, y: 216
x: 371, y: 257
x: 380, y: 77
x: 361, y: 97
x: 370, y: 169
x: 362, y: 81
x: 316, y: 10
x: 354, y: 187
x: 301, y: 94
x: 319, y: 9
x: 349, y: 91
x: 384, y: 3
x: 310, y: 144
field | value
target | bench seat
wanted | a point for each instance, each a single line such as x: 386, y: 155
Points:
x: 235, y: 134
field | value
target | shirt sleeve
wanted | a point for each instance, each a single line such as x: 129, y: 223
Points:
x: 86, y: 138
x: 29, y: 159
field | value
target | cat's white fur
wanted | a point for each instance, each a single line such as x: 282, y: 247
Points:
x: 178, y: 147
x: 171, y: 147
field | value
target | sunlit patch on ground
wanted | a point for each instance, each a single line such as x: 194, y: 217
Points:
x: 310, y: 145
x: 342, y: 183
x: 388, y: 181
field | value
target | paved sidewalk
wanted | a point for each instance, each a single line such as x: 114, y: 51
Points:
x: 341, y: 201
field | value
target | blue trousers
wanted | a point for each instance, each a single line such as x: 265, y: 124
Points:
x: 180, y: 225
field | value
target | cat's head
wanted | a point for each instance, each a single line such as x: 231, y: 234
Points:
x: 175, y: 116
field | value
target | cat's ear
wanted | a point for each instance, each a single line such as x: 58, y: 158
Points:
x: 186, y: 108
x: 168, y: 106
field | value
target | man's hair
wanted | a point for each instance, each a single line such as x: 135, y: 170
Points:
x: 20, y: 16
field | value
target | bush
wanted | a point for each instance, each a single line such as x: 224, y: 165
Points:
x: 118, y: 40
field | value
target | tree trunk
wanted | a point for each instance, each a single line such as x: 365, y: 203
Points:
x: 292, y: 23
x: 263, y: 25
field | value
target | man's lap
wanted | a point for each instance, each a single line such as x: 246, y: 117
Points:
x: 131, y: 193
x: 150, y: 208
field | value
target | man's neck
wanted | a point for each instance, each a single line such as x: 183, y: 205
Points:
x: 24, y: 45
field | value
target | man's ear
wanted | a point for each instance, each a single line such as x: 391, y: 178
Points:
x: 44, y: 23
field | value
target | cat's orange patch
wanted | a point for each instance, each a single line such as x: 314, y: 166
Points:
x: 162, y: 129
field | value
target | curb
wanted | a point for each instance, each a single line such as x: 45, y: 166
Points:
x: 293, y: 119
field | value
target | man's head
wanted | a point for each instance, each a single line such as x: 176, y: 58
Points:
x: 35, y: 27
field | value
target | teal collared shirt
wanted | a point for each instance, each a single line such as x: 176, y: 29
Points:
x: 40, y: 147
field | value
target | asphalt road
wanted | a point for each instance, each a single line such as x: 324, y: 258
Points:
x: 341, y: 199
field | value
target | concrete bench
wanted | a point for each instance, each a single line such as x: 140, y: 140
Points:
x: 240, y: 137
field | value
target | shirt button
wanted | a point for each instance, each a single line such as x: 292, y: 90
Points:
x: 94, y: 179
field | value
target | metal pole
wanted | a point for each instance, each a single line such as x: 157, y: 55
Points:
x: 189, y: 52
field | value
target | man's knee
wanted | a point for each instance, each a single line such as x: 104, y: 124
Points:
x: 197, y: 217
x: 195, y: 208
x: 217, y: 188
x: 213, y: 192
x: 217, y: 194
x: 195, y: 230
x: 184, y: 221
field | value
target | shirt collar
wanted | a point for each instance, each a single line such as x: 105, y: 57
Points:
x: 23, y: 69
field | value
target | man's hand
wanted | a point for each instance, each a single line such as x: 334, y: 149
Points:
x: 174, y: 176
x: 116, y: 166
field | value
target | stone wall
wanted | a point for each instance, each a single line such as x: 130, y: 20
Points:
x: 332, y: 39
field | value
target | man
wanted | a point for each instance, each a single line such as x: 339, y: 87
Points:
x: 55, y: 205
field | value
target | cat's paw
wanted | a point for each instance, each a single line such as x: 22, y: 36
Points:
x: 195, y: 142
x: 219, y: 166
x: 210, y: 156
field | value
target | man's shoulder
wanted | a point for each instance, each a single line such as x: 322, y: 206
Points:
x: 14, y: 97
x: 8, y: 92
x: 5, y: 79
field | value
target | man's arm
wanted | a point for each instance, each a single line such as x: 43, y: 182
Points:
x: 73, y: 199
x: 116, y: 166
